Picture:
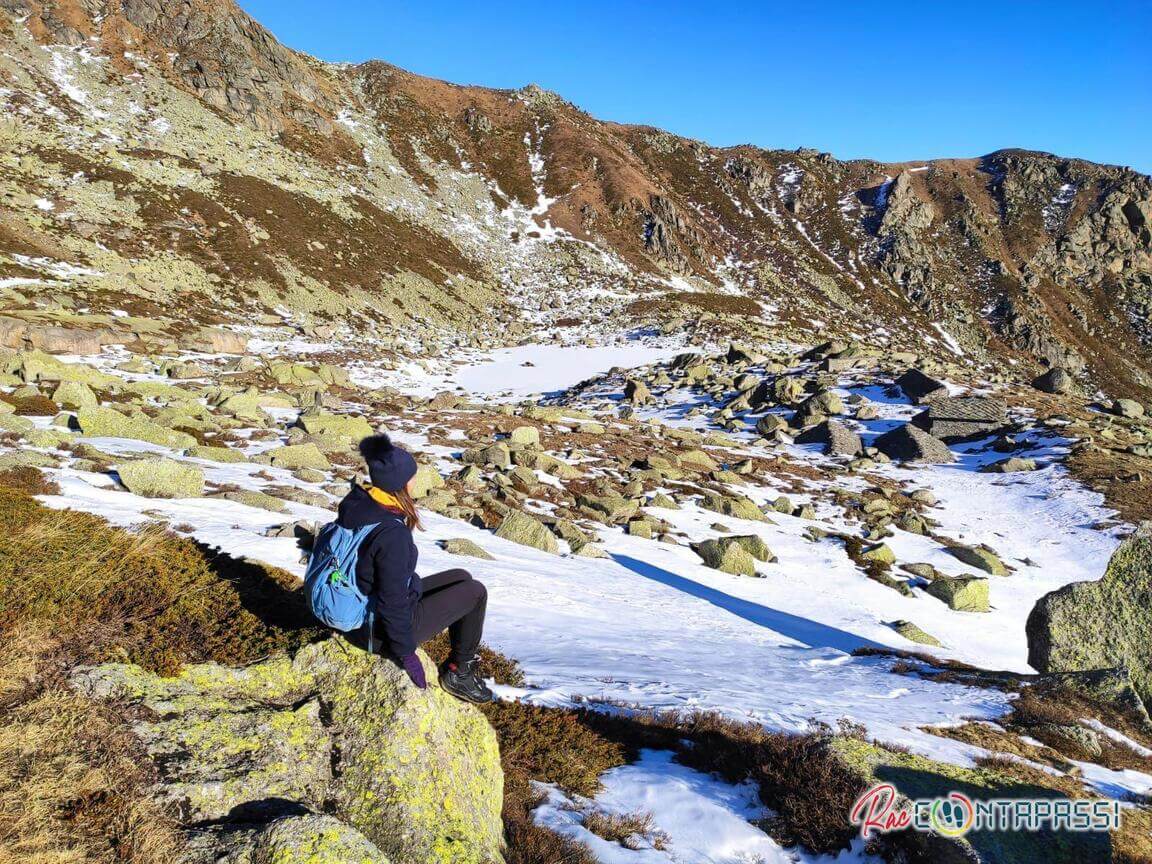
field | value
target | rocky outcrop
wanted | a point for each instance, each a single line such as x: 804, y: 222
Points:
x: 332, y: 750
x: 1100, y: 625
x: 960, y: 418
x: 215, y: 49
x: 308, y: 839
x: 908, y: 443
x: 161, y: 478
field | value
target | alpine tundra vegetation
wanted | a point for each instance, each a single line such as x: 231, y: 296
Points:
x: 786, y: 475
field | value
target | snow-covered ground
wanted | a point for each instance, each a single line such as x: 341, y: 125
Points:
x: 650, y: 627
x: 696, y: 818
x: 516, y: 373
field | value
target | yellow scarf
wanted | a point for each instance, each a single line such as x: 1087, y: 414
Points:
x: 384, y: 499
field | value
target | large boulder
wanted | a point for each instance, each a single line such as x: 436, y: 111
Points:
x: 962, y: 593
x: 908, y: 443
x: 838, y: 439
x: 1055, y: 380
x: 100, y: 422
x: 1102, y: 624
x: 310, y: 838
x: 735, y: 555
x: 527, y: 531
x: 161, y: 478
x: 214, y: 340
x: 74, y: 394
x: 413, y: 775
x: 637, y: 392
x: 296, y: 456
x: 343, y: 426
x: 981, y: 557
x: 39, y: 366
x: 960, y: 418
x: 425, y: 480
x: 917, y: 385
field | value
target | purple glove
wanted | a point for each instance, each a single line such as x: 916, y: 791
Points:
x: 415, y: 670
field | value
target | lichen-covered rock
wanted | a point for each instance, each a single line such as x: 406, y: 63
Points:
x: 425, y: 480
x: 464, y: 546
x: 913, y: 633
x: 881, y: 553
x: 613, y: 507
x: 313, y: 839
x: 417, y: 773
x: 74, y: 394
x: 294, y: 373
x: 244, y: 406
x: 527, y: 531
x: 736, y: 506
x: 216, y: 454
x: 980, y: 557
x: 527, y: 435
x: 294, y: 456
x: 1055, y: 380
x: 637, y: 392
x: 161, y: 478
x: 697, y: 460
x: 37, y: 366
x: 16, y: 423
x: 1103, y: 624
x: 838, y: 439
x: 909, y: 443
x: 963, y: 593
x: 27, y: 459
x: 341, y: 426
x: 96, y: 422
x: 726, y: 555
x: 252, y: 498
x: 1010, y: 465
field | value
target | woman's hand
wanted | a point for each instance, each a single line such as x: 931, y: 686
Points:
x: 415, y: 670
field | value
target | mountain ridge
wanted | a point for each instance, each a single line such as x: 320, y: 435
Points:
x: 519, y: 206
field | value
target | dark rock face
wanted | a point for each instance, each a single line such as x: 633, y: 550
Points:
x: 917, y: 385
x: 1055, y: 380
x: 838, y: 439
x: 908, y: 443
x: 962, y: 417
x: 1105, y: 624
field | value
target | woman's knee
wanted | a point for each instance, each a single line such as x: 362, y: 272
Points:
x: 478, y: 590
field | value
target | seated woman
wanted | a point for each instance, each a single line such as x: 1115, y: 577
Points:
x: 410, y: 610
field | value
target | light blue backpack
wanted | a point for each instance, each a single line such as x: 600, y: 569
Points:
x: 331, y: 579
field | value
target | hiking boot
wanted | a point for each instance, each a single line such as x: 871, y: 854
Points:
x: 461, y: 680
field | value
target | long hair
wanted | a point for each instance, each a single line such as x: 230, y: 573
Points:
x: 411, y: 514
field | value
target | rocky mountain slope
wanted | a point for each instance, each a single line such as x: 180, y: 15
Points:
x: 173, y: 162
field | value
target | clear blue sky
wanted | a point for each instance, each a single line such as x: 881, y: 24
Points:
x: 891, y: 81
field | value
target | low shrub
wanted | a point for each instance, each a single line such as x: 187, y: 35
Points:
x: 73, y: 780
x: 146, y: 596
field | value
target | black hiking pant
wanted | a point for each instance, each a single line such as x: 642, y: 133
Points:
x: 452, y: 600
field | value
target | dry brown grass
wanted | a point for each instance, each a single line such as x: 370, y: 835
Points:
x: 625, y: 829
x: 146, y: 596
x: 72, y: 780
x: 32, y: 406
x: 29, y: 480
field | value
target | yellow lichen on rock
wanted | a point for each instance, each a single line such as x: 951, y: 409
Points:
x: 416, y: 773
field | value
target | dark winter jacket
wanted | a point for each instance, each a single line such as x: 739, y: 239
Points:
x: 385, y: 566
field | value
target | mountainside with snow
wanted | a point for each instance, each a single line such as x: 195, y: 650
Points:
x: 175, y: 162
x: 786, y: 475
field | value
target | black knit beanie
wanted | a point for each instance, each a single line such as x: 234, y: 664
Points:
x: 389, y: 467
